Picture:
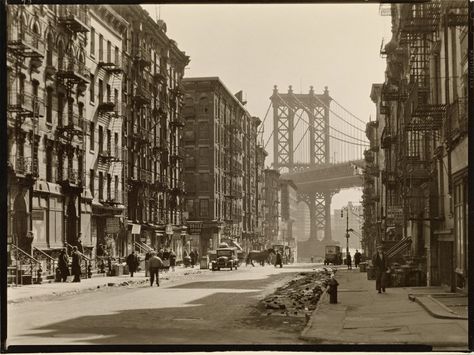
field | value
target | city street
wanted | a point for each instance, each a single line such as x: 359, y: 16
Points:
x: 207, y: 308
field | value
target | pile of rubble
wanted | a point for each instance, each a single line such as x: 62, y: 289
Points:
x: 300, y: 296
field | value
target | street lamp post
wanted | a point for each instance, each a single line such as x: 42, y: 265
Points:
x: 347, y: 228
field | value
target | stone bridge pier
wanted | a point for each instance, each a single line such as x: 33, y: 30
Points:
x: 319, y: 205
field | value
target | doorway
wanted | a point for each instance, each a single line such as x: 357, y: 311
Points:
x: 20, y: 224
x: 71, y: 223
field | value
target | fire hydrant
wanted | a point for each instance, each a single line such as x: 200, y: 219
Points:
x: 39, y: 279
x: 333, y: 290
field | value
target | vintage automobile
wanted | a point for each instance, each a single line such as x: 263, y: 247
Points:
x: 333, y: 255
x: 225, y: 258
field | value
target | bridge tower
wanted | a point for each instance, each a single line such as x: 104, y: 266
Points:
x: 285, y: 106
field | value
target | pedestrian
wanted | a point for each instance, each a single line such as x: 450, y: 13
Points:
x: 76, y: 265
x: 278, y: 260
x: 172, y: 260
x: 63, y: 265
x: 357, y: 257
x: 196, y: 256
x: 160, y: 253
x: 381, y: 265
x: 192, y: 255
x: 147, y: 259
x: 349, y: 261
x: 249, y: 260
x: 132, y: 262
x: 155, y: 264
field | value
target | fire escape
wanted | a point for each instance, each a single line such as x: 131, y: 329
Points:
x: 110, y: 70
x: 24, y: 105
x: 72, y: 78
x: 233, y: 167
x: 418, y: 129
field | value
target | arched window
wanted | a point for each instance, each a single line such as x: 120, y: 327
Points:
x: 60, y: 55
x: 49, y: 50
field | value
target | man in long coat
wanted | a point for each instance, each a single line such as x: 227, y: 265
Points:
x: 63, y: 265
x: 381, y: 265
x: 76, y: 265
x: 132, y: 262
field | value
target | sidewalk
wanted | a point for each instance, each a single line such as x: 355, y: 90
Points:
x: 17, y: 294
x: 363, y: 316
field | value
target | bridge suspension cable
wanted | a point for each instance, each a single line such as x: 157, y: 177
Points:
x: 330, y: 110
x: 260, y: 129
x: 345, y: 134
x: 350, y: 113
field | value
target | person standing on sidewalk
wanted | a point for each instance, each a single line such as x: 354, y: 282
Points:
x: 172, y: 260
x: 349, y: 261
x: 193, y: 258
x: 155, y: 264
x: 63, y: 265
x: 76, y: 265
x: 279, y: 260
x: 357, y: 257
x: 147, y: 266
x: 132, y: 262
x: 380, y: 262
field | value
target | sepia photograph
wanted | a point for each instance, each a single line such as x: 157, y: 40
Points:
x: 257, y: 175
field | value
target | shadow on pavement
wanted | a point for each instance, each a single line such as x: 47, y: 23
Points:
x: 260, y: 283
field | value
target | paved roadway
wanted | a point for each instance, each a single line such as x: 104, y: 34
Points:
x: 209, y: 308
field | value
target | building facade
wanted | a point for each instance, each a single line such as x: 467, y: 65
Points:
x: 93, y: 131
x: 220, y: 165
x: 152, y: 101
x: 288, y: 210
x: 259, y: 240
x: 272, y: 206
x: 421, y: 177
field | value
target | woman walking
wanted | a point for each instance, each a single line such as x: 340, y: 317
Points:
x: 63, y: 265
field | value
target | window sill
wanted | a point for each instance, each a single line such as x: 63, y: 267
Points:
x: 92, y: 103
x: 92, y: 151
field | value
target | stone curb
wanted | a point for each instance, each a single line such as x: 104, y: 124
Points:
x: 303, y: 336
x: 75, y: 291
x: 430, y: 304
x: 105, y: 283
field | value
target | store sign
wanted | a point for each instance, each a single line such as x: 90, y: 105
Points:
x: 136, y: 228
x: 112, y: 225
x: 395, y: 213
x: 194, y: 228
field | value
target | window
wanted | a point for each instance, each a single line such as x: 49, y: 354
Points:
x: 203, y: 156
x: 116, y: 144
x: 49, y: 164
x: 92, y: 134
x: 101, y: 185
x: 109, y: 183
x: 92, y: 89
x: 109, y: 52
x: 204, y: 182
x: 101, y: 91
x: 117, y: 56
x: 49, y: 52
x: 92, y: 41
x: 460, y: 220
x: 204, y: 208
x: 116, y: 186
x: 60, y: 110
x: 116, y: 98
x: 101, y: 48
x: 109, y: 140
x: 49, y: 105
x: 91, y: 181
x: 101, y: 139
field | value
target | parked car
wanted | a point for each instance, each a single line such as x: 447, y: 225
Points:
x: 225, y: 258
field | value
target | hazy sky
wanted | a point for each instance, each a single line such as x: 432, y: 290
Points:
x: 254, y: 47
